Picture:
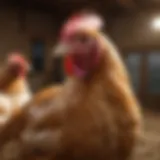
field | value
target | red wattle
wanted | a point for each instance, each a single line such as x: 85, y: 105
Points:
x: 68, y: 65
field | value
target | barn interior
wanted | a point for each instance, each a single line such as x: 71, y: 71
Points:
x: 133, y: 25
x: 32, y: 27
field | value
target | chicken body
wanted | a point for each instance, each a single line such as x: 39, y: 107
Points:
x: 19, y: 91
x: 97, y: 118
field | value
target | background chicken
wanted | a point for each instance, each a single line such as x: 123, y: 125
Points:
x: 14, y: 89
x: 93, y: 116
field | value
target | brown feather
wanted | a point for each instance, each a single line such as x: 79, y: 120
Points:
x: 96, y: 119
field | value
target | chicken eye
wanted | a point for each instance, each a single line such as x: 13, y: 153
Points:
x: 38, y: 152
x: 83, y: 39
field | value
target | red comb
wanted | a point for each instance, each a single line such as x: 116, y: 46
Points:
x: 83, y: 21
x: 16, y: 57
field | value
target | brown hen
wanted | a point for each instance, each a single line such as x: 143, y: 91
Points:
x: 93, y: 116
x: 14, y: 89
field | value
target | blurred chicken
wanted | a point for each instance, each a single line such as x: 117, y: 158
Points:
x: 93, y: 116
x: 14, y: 89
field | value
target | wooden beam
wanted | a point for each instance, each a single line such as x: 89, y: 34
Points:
x: 21, y: 14
x: 127, y: 3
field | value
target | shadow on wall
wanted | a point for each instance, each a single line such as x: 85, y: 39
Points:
x: 57, y: 73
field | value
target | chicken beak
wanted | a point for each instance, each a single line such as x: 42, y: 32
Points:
x: 29, y: 68
x: 60, y: 50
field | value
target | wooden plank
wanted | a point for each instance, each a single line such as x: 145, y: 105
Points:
x: 127, y: 3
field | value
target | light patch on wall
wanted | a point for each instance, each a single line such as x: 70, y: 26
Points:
x: 156, y: 23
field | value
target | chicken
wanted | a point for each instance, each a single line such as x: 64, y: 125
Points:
x: 14, y: 90
x: 94, y: 115
x: 46, y: 94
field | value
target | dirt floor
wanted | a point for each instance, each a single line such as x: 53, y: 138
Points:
x: 149, y: 145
